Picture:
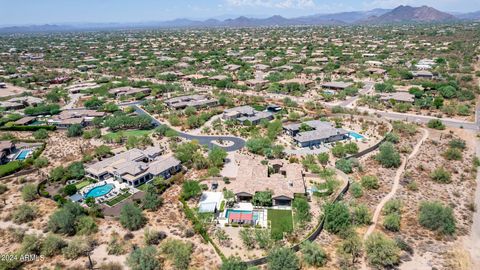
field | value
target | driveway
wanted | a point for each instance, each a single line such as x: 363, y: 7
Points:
x: 238, y: 143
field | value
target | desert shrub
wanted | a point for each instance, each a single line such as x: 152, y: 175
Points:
x: 31, y: 244
x: 178, y: 252
x: 337, y: 217
x: 457, y: 143
x: 233, y: 263
x: 153, y: 237
x: 392, y: 222
x: 392, y: 137
x: 116, y: 246
x: 77, y: 248
x: 440, y: 175
x: 64, y: 219
x: 85, y: 225
x: 382, y: 252
x: 248, y: 238
x: 392, y: 206
x: 344, y: 165
x: 361, y: 215
x: 453, y: 154
x: 282, y: 259
x: 436, y: 124
x: 313, y: 254
x: 52, y: 245
x: 144, y: 259
x: 369, y: 182
x: 356, y: 189
x: 29, y: 192
x: 388, y: 156
x: 131, y: 217
x: 24, y: 213
x: 436, y: 217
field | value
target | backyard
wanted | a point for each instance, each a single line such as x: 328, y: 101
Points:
x: 281, y: 222
x: 127, y: 133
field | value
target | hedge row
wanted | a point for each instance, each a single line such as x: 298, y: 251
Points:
x: 198, y: 227
x: 28, y: 128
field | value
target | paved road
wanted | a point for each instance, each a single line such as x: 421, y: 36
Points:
x: 238, y: 143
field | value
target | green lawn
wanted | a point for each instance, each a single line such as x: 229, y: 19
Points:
x: 118, y: 199
x: 127, y: 133
x: 281, y: 221
x: 82, y: 184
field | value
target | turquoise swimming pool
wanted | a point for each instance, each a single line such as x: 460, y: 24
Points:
x: 23, y: 154
x: 99, y: 191
x: 355, y: 135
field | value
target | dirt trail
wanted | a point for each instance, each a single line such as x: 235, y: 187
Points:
x: 472, y: 242
x: 396, y: 182
x: 393, y: 191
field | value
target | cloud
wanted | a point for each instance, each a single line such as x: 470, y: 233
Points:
x: 280, y: 4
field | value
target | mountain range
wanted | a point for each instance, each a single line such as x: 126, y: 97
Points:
x: 400, y: 14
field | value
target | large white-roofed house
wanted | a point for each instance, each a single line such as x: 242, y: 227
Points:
x: 135, y: 166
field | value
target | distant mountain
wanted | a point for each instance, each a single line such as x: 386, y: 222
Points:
x: 347, y: 17
x: 402, y: 14
x: 469, y: 16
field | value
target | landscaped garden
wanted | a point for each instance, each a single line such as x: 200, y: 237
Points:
x: 118, y: 198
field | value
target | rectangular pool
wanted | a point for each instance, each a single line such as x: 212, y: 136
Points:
x: 355, y: 135
x: 23, y: 154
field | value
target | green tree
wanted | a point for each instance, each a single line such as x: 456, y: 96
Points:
x: 75, y: 130
x: 131, y: 217
x: 351, y: 248
x: 144, y: 259
x: 262, y: 198
x: 388, y: 156
x: 436, y: 217
x: 69, y: 190
x: 381, y: 251
x: 190, y: 189
x: 282, y: 259
x: 313, y: 254
x: 337, y: 217
x: 323, y: 158
x: 151, y: 200
x: 302, y: 210
x: 85, y: 225
x: 217, y: 156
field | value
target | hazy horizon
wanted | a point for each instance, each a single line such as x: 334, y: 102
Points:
x: 34, y: 12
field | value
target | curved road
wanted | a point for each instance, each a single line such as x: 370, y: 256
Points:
x: 238, y: 143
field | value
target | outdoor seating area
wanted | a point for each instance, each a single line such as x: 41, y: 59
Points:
x: 104, y: 191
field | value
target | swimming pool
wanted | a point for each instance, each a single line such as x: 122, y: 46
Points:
x: 356, y: 135
x: 23, y: 154
x: 255, y: 213
x: 99, y: 191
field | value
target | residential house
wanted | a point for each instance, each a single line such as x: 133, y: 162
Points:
x: 285, y: 181
x: 246, y: 113
x: 6, y: 148
x: 196, y: 101
x: 314, y: 133
x: 135, y: 166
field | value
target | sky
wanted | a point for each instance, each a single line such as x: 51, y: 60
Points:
x: 26, y: 12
